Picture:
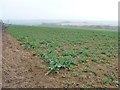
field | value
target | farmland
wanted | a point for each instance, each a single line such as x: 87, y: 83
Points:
x: 76, y: 51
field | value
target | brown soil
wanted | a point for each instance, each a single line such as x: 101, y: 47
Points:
x: 23, y: 69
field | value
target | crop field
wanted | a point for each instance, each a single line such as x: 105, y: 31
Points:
x: 70, y: 48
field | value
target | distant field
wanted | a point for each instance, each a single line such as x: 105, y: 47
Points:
x: 66, y: 47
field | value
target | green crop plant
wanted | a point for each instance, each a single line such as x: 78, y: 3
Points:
x: 60, y: 46
x: 94, y: 59
x: 85, y: 70
x: 83, y: 59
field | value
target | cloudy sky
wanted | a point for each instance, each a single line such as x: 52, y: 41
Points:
x: 59, y: 9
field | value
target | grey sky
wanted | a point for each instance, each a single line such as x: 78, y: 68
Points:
x: 59, y: 9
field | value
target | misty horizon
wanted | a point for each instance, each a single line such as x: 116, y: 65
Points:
x: 40, y: 21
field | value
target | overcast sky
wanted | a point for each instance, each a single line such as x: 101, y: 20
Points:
x: 59, y: 9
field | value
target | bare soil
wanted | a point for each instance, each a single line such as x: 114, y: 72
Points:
x: 23, y: 69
